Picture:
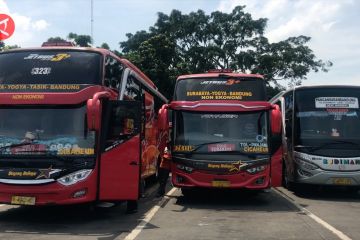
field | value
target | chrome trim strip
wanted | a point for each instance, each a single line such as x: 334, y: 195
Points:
x: 26, y: 182
x: 221, y: 105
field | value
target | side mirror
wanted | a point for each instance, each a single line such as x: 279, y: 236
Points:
x: 93, y: 108
x: 163, y: 121
x: 275, y: 115
x: 93, y: 114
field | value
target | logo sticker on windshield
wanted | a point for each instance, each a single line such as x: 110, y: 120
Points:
x: 221, y: 147
x: 254, y: 147
x: 53, y: 58
x: 41, y: 71
x: 336, y: 102
x: 183, y: 148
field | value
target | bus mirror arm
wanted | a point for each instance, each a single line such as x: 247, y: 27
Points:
x: 163, y: 121
x: 94, y: 110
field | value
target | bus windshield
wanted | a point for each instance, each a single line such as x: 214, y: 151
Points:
x: 328, y: 117
x: 221, y: 132
x: 45, y: 130
x: 50, y: 67
x: 244, y: 89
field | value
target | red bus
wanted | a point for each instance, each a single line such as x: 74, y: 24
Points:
x: 224, y: 133
x: 77, y: 125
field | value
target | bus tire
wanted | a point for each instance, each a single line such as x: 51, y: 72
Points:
x: 286, y: 180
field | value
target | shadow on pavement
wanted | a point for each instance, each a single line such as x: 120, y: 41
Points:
x: 328, y: 193
x: 76, y: 220
x: 235, y: 200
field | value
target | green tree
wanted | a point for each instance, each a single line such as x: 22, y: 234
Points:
x: 196, y: 42
x: 56, y: 39
x: 105, y: 46
x: 4, y: 47
x: 80, y: 40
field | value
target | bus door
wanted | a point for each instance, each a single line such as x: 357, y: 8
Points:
x: 120, y: 156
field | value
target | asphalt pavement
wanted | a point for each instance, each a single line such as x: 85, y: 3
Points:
x: 312, y: 213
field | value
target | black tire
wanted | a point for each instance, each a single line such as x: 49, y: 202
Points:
x: 286, y: 180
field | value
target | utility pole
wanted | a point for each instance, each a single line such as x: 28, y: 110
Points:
x: 92, y: 21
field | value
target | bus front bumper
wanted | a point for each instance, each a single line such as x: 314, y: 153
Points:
x: 52, y: 193
x: 241, y: 179
x: 323, y: 177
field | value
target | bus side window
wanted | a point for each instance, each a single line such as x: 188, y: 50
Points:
x: 132, y: 89
x: 113, y: 72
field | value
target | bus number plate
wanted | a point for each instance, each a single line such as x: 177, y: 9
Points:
x: 221, y: 184
x: 21, y: 200
x: 342, y: 181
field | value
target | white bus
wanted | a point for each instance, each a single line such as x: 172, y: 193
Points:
x: 321, y: 135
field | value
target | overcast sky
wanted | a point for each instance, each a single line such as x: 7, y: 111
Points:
x: 333, y: 25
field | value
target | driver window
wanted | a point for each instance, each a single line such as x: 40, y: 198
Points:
x: 113, y: 72
x: 123, y: 124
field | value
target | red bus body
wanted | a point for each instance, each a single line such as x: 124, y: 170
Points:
x: 117, y: 115
x: 219, y: 165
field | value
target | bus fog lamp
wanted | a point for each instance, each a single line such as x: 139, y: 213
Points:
x: 80, y: 193
x: 260, y: 181
x: 180, y: 179
x: 74, y: 177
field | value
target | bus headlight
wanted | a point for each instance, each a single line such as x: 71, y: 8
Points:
x: 256, y: 169
x: 305, y: 164
x: 74, y: 177
x: 185, y: 168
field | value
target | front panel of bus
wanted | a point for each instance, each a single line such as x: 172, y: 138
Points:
x: 47, y: 146
x: 326, y: 135
x: 220, y: 149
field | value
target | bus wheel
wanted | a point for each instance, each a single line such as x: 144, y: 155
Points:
x: 285, y: 179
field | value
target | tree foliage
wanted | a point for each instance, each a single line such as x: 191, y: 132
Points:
x: 80, y: 40
x: 4, y: 47
x: 56, y: 39
x: 196, y: 42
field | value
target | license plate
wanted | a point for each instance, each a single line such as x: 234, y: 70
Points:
x: 342, y: 181
x: 21, y: 200
x: 221, y: 184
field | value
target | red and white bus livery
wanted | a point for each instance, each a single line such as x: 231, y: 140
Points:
x: 224, y: 132
x: 77, y: 125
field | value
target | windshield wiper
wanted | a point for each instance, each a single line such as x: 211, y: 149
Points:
x: 16, y: 145
x: 47, y: 153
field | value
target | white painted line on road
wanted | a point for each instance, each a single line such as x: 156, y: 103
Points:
x: 148, y: 216
x: 326, y: 225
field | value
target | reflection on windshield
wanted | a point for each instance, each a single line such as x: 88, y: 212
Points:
x: 61, y: 131
x: 327, y: 118
x: 329, y: 124
x: 50, y: 67
x: 221, y: 132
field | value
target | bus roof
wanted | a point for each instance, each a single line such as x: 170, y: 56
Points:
x: 296, y: 88
x: 214, y: 75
